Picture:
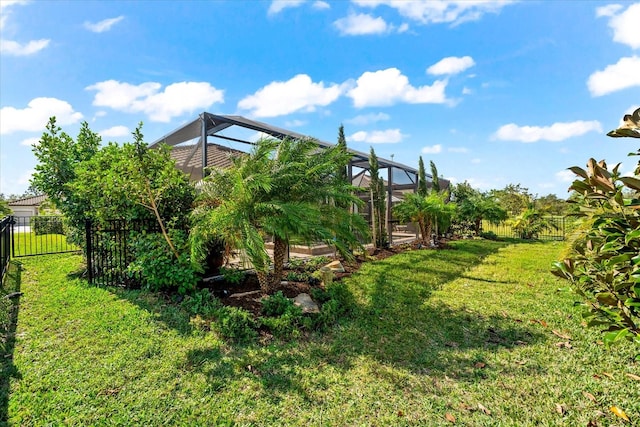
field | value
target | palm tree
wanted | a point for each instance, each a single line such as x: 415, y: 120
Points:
x: 478, y: 207
x: 287, y: 190
x: 425, y: 210
x: 530, y: 223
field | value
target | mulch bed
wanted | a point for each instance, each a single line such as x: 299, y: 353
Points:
x: 251, y: 300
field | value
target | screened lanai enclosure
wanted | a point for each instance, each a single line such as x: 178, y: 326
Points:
x: 211, y: 140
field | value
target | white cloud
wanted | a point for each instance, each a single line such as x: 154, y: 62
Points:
x: 621, y: 75
x: 278, y: 6
x: 35, y: 117
x: 389, y: 136
x: 115, y: 132
x: 160, y: 106
x: 13, y: 48
x: 565, y: 176
x: 476, y: 161
x: 386, y: 87
x: 458, y: 150
x: 360, y: 24
x: 432, y: 149
x: 466, y: 91
x: 102, y: 26
x: 365, y: 119
x: 451, y: 65
x: 626, y: 25
x: 403, y: 28
x: 608, y: 10
x: 299, y: 93
x: 555, y: 132
x: 30, y: 142
x: 321, y: 5
x: 443, y: 11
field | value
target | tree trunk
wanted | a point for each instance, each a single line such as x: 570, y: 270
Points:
x: 279, y: 253
x: 423, y: 230
x: 374, y: 225
x: 478, y: 223
x: 263, y: 279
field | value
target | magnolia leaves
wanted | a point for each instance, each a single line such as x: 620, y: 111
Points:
x: 630, y: 127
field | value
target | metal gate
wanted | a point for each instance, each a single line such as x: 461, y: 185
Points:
x: 39, y: 235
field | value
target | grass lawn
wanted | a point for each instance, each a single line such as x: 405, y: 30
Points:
x: 476, y: 335
x: 32, y: 243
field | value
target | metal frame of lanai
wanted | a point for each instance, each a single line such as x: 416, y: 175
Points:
x: 198, y: 152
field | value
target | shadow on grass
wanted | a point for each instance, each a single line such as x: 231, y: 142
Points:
x: 9, y: 307
x: 394, y: 325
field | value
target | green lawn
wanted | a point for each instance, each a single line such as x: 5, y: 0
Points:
x: 31, y: 243
x: 437, y: 335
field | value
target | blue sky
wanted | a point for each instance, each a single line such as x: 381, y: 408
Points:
x: 494, y: 92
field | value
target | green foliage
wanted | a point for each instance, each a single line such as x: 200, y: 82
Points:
x: 489, y: 235
x: 605, y: 269
x: 116, y: 184
x: 202, y: 302
x: 294, y: 276
x: 236, y: 324
x: 473, y: 207
x: 426, y: 211
x: 530, y: 223
x: 338, y: 303
x: 276, y: 304
x: 4, y: 208
x: 552, y: 205
x: 378, y: 203
x: 233, y: 276
x: 158, y: 267
x: 58, y: 157
x: 47, y: 225
x: 513, y: 198
x: 315, y: 263
x: 423, y: 189
x: 285, y: 189
x: 341, y: 171
x: 435, y: 181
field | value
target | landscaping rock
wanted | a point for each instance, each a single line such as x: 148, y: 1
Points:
x: 336, y: 267
x: 305, y: 302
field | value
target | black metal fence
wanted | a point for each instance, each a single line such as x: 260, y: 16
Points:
x: 557, y: 228
x: 109, y: 251
x: 5, y: 246
x: 39, y: 235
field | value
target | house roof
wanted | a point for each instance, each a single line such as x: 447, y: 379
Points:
x: 189, y: 158
x: 29, y: 201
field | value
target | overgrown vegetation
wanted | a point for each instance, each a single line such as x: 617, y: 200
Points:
x: 605, y: 269
x: 284, y: 190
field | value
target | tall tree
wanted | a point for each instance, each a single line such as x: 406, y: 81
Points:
x: 423, y: 189
x: 342, y: 145
x: 377, y: 193
x: 58, y: 157
x: 513, y: 198
x: 279, y: 190
x: 435, y: 181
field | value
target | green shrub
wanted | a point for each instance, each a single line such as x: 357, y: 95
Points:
x: 312, y: 264
x: 157, y: 265
x: 47, y: 225
x: 338, y: 303
x: 202, y: 303
x: 319, y: 295
x: 489, y: 235
x: 286, y: 326
x: 233, y: 276
x: 605, y: 267
x: 236, y: 324
x: 294, y: 276
x: 276, y: 304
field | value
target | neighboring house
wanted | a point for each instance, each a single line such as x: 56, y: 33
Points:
x: 27, y: 206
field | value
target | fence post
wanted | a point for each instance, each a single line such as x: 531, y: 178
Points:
x: 87, y: 228
x: 12, y: 222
